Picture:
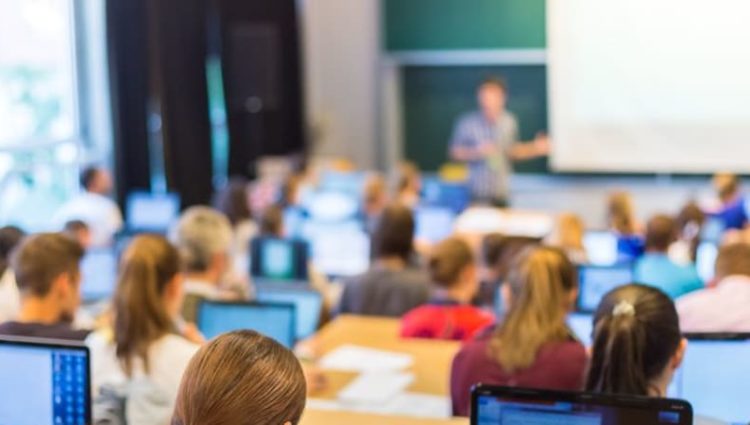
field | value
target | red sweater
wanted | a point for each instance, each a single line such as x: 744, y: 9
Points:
x: 445, y: 320
x: 558, y: 366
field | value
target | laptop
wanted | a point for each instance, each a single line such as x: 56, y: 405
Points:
x: 274, y: 320
x: 596, y: 281
x: 433, y: 224
x: 515, y: 406
x: 339, y: 249
x: 44, y: 383
x: 601, y: 247
x: 440, y: 193
x: 308, y: 306
x: 715, y: 376
x: 151, y: 212
x: 705, y: 260
x: 279, y: 261
x: 582, y: 326
x: 98, y: 274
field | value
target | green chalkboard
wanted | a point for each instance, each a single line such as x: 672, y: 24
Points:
x: 434, y: 97
x: 463, y: 24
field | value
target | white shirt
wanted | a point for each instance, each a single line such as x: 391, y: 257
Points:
x: 10, y: 298
x: 100, y: 213
x: 723, y: 308
x: 150, y: 398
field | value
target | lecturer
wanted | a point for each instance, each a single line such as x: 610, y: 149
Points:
x: 487, y: 140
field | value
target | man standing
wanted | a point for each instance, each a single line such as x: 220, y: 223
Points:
x: 487, y: 140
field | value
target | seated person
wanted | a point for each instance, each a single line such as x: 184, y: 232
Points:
x: 47, y: 271
x: 409, y: 190
x: 621, y: 220
x: 655, y: 268
x: 568, y: 236
x: 723, y: 308
x: 145, y: 352
x: 241, y: 378
x: 533, y: 347
x: 374, y: 201
x: 498, y: 254
x: 10, y: 299
x: 204, y: 238
x: 391, y: 287
x: 449, y: 315
x: 690, y: 222
x: 78, y: 230
x: 731, y: 210
x: 637, y: 343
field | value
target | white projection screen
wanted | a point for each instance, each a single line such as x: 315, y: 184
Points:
x: 658, y: 86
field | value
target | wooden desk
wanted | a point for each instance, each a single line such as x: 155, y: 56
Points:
x: 321, y: 417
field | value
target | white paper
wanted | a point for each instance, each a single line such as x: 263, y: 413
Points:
x: 405, y: 404
x: 352, y: 358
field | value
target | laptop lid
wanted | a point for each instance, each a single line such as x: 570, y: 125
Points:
x: 98, y: 274
x: 275, y: 320
x: 339, y: 249
x: 433, y: 224
x: 596, y: 281
x: 582, y: 326
x: 151, y: 212
x: 279, y: 260
x: 44, y: 383
x: 600, y: 247
x: 514, y: 406
x: 715, y: 376
x: 308, y: 305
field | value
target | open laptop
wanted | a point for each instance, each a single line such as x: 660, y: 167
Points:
x: 582, y: 326
x: 339, y: 249
x: 514, y: 406
x: 151, y: 212
x: 433, y: 223
x: 274, y: 320
x: 44, y: 383
x: 279, y: 261
x: 715, y: 376
x: 601, y: 247
x: 98, y: 274
x: 596, y: 281
x: 308, y: 305
x: 440, y: 193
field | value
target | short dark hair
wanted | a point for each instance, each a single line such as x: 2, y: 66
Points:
x: 733, y: 259
x: 499, y: 251
x: 272, y: 221
x: 74, y: 226
x: 41, y: 258
x: 496, y: 81
x: 10, y: 237
x: 394, y: 233
x: 88, y: 175
x: 661, y: 232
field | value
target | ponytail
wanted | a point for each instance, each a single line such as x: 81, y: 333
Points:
x: 141, y: 317
x: 636, y: 333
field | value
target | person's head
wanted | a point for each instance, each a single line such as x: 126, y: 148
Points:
x: 409, y: 178
x: 499, y: 252
x: 690, y: 220
x: 568, y: 232
x: 96, y: 180
x: 241, y: 378
x: 272, y: 222
x: 290, y: 191
x: 621, y: 213
x: 204, y: 237
x: 492, y: 95
x: 47, y: 272
x: 80, y: 231
x: 374, y: 195
x: 394, y: 233
x: 733, y: 260
x: 147, y: 299
x: 10, y: 237
x: 541, y: 290
x: 234, y: 200
x: 661, y: 232
x: 637, y: 343
x: 452, y: 268
x: 726, y: 185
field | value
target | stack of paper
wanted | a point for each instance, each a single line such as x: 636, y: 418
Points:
x: 352, y: 358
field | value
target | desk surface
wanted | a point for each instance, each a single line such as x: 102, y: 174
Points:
x: 321, y: 417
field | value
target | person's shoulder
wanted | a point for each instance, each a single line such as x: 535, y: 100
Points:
x: 175, y: 348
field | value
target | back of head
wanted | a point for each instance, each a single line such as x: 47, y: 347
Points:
x: 394, y: 234
x: 636, y: 333
x: 148, y: 266
x: 42, y: 258
x: 272, y: 222
x: 620, y: 213
x: 241, y: 378
x: 499, y: 252
x: 569, y: 232
x: 726, y: 185
x: 541, y: 284
x: 448, y: 260
x: 661, y: 232
x: 690, y: 215
x: 233, y: 200
x: 733, y: 260
x: 88, y: 176
x: 201, y: 234
x: 10, y: 237
x: 408, y: 176
x: 375, y: 191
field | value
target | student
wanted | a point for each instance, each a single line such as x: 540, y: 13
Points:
x: 78, y: 230
x: 234, y: 202
x: 533, y: 347
x: 498, y: 255
x: 732, y: 204
x: 409, y: 189
x: 94, y: 207
x: 46, y: 267
x: 204, y: 239
x: 689, y: 223
x: 147, y: 349
x: 568, y: 236
x: 621, y: 220
x: 374, y: 201
x: 449, y: 315
x: 391, y: 287
x: 241, y: 378
x: 655, y: 268
x: 10, y: 299
x: 637, y: 343
x: 723, y: 308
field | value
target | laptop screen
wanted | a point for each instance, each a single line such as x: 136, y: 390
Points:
x: 596, y: 281
x: 715, y: 378
x: 433, y: 224
x: 502, y: 406
x: 601, y: 248
x: 149, y: 212
x: 582, y: 326
x: 44, y: 384
x: 440, y: 193
x: 98, y: 274
x: 308, y: 305
x: 276, y: 321
x: 279, y: 259
x: 339, y: 250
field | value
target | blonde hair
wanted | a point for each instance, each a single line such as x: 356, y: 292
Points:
x: 540, y: 283
x: 569, y: 232
x: 621, y: 213
x: 375, y: 190
x: 448, y: 259
x: 726, y: 185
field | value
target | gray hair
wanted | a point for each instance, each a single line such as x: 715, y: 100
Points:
x: 200, y: 234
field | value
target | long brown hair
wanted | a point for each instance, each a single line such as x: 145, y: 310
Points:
x: 241, y: 378
x: 636, y: 333
x: 621, y: 213
x: 148, y: 265
x: 541, y: 280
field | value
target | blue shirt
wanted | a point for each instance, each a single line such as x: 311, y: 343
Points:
x: 675, y: 280
x: 733, y: 215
